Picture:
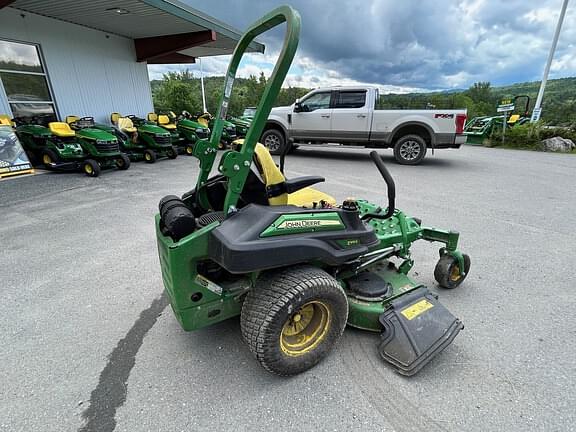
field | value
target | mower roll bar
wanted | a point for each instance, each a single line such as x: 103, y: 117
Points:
x: 391, y: 186
x: 235, y: 165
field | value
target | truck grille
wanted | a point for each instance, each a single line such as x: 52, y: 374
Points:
x: 107, y: 147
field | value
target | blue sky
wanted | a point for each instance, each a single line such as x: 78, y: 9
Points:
x: 405, y: 46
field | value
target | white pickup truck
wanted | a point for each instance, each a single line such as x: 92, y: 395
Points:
x: 349, y: 116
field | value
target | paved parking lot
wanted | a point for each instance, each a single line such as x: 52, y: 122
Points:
x: 88, y: 343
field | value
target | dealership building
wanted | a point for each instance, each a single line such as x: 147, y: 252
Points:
x: 89, y: 58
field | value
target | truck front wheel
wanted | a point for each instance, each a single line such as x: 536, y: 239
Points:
x: 410, y: 150
x: 275, y: 141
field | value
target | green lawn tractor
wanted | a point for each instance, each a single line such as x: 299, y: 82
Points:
x: 295, y: 265
x: 228, y: 129
x: 60, y: 148
x: 241, y: 125
x: 142, y: 139
x: 184, y: 131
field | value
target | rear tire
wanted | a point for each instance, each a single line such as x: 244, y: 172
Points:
x: 123, y: 162
x: 172, y: 153
x: 293, y: 317
x: 149, y: 156
x: 410, y: 150
x: 91, y: 168
x: 275, y: 141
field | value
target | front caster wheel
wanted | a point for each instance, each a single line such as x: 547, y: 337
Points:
x: 293, y: 318
x: 150, y: 156
x: 190, y: 150
x: 123, y: 162
x: 172, y: 153
x: 91, y: 168
x: 448, y: 273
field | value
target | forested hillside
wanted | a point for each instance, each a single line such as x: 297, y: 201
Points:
x: 181, y: 91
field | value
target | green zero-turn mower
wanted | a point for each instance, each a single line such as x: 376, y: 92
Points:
x: 61, y: 148
x: 142, y: 139
x: 292, y: 263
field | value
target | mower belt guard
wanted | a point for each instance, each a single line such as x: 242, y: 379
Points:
x: 416, y: 328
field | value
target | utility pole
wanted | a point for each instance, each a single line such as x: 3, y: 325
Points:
x: 202, y: 86
x: 537, y: 109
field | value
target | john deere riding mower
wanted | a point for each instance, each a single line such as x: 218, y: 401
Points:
x: 295, y: 265
x: 142, y: 139
x: 184, y: 131
x: 241, y: 125
x: 228, y: 129
x: 61, y: 148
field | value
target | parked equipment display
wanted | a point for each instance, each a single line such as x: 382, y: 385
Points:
x: 228, y: 129
x: 479, y: 129
x: 59, y: 147
x: 295, y: 265
x: 241, y: 125
x: 184, y: 131
x: 142, y: 139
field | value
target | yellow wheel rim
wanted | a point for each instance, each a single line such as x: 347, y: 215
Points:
x: 189, y: 150
x: 455, y: 273
x: 306, y: 328
x: 88, y: 169
x: 147, y: 156
x: 47, y: 159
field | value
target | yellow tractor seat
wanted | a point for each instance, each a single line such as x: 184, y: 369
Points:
x: 72, y: 119
x: 164, y: 121
x: 287, y: 192
x: 126, y: 125
x: 513, y: 118
x: 114, y: 117
x: 61, y: 129
x: 5, y: 120
x: 153, y: 117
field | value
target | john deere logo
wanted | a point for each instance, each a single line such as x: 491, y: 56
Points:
x: 310, y: 223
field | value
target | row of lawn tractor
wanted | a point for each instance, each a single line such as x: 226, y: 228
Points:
x: 80, y: 144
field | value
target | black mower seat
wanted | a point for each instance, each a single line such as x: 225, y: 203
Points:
x: 273, y: 179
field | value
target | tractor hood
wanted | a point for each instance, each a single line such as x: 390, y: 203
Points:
x: 190, y: 124
x: 153, y: 129
x: 95, y: 134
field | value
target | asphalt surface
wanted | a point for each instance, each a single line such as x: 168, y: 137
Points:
x: 87, y: 342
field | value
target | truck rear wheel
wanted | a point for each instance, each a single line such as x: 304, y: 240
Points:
x: 275, y: 141
x: 410, y: 150
x: 293, y: 318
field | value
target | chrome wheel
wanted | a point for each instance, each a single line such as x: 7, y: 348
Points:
x: 410, y: 150
x: 272, y: 141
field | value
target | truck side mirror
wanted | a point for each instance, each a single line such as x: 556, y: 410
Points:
x: 297, y: 106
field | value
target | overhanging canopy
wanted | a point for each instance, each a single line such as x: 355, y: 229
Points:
x: 164, y: 31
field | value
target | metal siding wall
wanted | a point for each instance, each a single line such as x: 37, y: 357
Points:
x: 91, y: 74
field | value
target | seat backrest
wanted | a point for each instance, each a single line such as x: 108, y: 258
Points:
x: 72, y: 119
x: 5, y: 120
x: 61, y: 129
x: 513, y: 118
x: 163, y: 119
x: 269, y: 172
x: 114, y: 117
x: 153, y: 117
x: 124, y: 123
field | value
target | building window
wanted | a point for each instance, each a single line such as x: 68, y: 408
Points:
x: 25, y: 83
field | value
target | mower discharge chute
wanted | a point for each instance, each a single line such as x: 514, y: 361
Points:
x: 292, y: 263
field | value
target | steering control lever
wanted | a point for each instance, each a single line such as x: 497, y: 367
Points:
x: 391, y: 186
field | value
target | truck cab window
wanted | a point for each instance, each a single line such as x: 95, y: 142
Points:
x: 351, y: 99
x: 316, y: 101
